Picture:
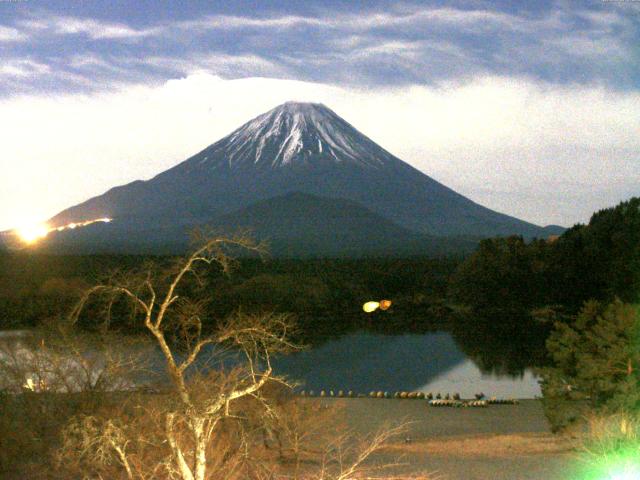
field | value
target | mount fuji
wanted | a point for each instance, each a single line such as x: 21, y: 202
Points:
x: 296, y: 155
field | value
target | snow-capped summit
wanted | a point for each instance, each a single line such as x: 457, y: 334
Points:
x: 293, y: 133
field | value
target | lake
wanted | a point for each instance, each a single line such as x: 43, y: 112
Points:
x: 430, y: 362
x: 362, y: 362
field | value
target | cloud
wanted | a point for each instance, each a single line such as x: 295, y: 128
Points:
x: 90, y: 61
x: 231, y: 22
x: 363, y: 21
x: 23, y: 68
x: 403, y: 45
x: 216, y: 63
x: 8, y: 34
x: 95, y: 29
x: 546, y: 153
x: 604, y: 20
x: 98, y: 29
x: 395, y: 47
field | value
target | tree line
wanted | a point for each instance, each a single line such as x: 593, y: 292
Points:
x: 598, y: 261
x: 325, y: 295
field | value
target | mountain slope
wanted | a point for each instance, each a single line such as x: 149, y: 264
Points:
x: 296, y: 147
x: 299, y: 224
x: 293, y: 225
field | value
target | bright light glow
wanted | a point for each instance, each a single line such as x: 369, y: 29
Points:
x: 32, y: 232
x: 627, y: 474
x: 371, y: 306
x: 623, y: 464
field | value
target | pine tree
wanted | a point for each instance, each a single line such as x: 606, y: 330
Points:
x: 595, y: 364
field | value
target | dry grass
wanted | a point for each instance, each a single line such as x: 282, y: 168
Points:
x: 611, y: 436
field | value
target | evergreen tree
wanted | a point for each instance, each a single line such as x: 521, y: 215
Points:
x: 595, y: 364
x: 504, y: 275
x: 600, y: 260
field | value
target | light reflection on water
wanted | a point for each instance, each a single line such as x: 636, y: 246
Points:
x: 467, y: 379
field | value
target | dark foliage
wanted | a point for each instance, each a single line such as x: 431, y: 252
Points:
x: 596, y: 364
x: 598, y: 261
x: 504, y: 275
x: 326, y: 296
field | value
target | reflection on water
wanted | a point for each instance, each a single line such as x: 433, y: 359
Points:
x: 502, y: 343
x: 467, y: 379
x: 362, y: 362
x: 414, y: 362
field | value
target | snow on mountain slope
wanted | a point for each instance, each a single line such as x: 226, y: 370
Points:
x: 292, y: 134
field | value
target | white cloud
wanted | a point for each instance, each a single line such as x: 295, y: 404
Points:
x: 548, y: 154
x: 470, y: 20
x: 215, y: 64
x: 8, y: 34
x: 98, y: 29
x: 411, y: 55
x: 394, y: 47
x: 228, y: 22
x: 95, y: 29
x: 591, y: 47
x: 360, y: 21
x: 33, y: 24
x: 90, y: 60
x: 605, y: 20
x: 23, y: 68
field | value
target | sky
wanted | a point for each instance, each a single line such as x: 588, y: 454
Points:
x: 529, y: 108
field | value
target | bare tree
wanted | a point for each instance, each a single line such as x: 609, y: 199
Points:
x: 167, y: 313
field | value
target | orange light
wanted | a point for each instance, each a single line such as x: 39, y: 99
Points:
x: 31, y: 233
x: 385, y: 304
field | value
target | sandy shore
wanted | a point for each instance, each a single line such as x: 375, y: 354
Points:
x: 500, y: 442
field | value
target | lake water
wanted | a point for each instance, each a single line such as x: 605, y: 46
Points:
x: 363, y: 362
x: 431, y: 362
